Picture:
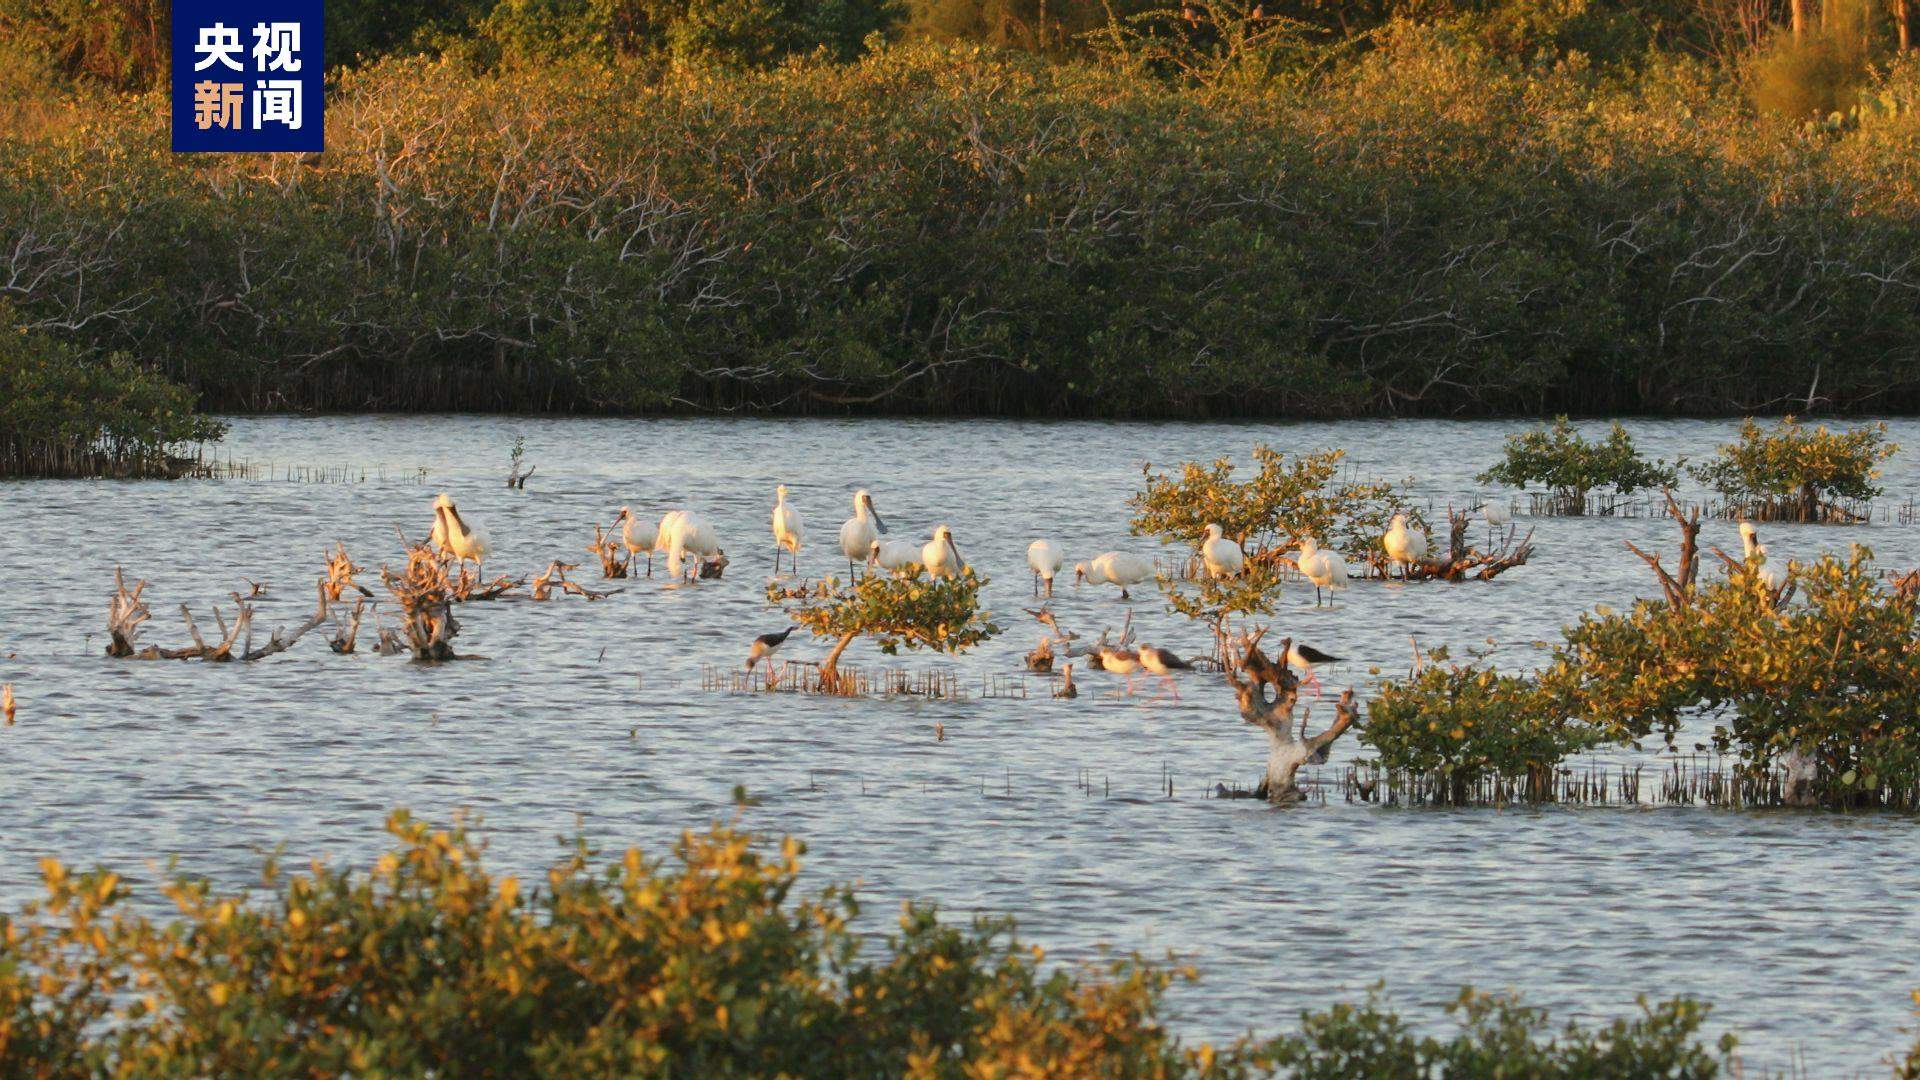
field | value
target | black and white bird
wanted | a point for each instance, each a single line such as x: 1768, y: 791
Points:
x: 766, y: 645
x: 1164, y: 663
x: 1305, y: 657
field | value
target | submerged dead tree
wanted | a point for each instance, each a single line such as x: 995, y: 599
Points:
x: 127, y: 611
x: 426, y: 601
x: 1252, y: 677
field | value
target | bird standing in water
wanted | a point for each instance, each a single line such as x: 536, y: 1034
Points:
x: 1404, y: 545
x: 1305, y: 657
x: 764, y: 647
x: 1164, y: 663
x: 786, y: 530
x: 1223, y: 557
x: 1045, y: 559
x: 1326, y: 569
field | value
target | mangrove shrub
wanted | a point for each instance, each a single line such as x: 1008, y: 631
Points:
x: 1463, y: 723
x: 1795, y: 473
x: 908, y: 610
x: 63, y: 413
x: 706, y: 963
x: 1561, y: 460
x: 1830, y: 683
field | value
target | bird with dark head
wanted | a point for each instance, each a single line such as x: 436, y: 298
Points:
x: 766, y: 645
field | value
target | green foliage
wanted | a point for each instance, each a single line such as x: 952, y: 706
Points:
x: 1499, y: 1037
x: 1466, y: 722
x: 65, y: 414
x: 1210, y: 43
x: 1285, y: 501
x: 1031, y: 238
x: 907, y: 610
x: 702, y: 964
x: 1560, y: 459
x: 740, y: 32
x: 1835, y: 678
x: 122, y: 44
x: 1793, y: 473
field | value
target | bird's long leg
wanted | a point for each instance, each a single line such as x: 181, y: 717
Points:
x: 1124, y: 595
x: 1313, y: 680
x: 1036, y: 583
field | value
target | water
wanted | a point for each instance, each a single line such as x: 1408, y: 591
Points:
x: 585, y: 715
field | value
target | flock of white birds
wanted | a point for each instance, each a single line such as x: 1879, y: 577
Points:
x: 862, y: 540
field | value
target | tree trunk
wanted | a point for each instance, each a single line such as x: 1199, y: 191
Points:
x: 1799, y: 8
x: 1902, y: 25
x: 830, y: 667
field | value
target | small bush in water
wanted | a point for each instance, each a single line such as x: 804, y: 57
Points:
x: 901, y: 610
x: 1792, y: 473
x: 1466, y: 722
x: 1561, y: 460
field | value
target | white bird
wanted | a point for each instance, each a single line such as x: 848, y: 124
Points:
x: 1045, y: 559
x: 1756, y: 552
x: 1223, y: 557
x: 1115, y: 568
x: 638, y: 536
x: 683, y: 532
x: 861, y: 530
x: 1497, y: 516
x: 1326, y: 569
x: 1404, y: 545
x: 786, y: 530
x: 939, y: 555
x: 457, y: 536
x: 895, y: 555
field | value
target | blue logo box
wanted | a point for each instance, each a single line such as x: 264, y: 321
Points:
x: 247, y: 76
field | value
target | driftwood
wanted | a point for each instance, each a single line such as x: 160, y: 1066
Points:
x: 346, y: 630
x: 340, y: 571
x: 1679, y: 589
x: 1286, y: 749
x: 612, y: 550
x: 555, y: 576
x: 127, y: 611
x: 426, y: 599
x: 518, y: 479
x: 1462, y: 560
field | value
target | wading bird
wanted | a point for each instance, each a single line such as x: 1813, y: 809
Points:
x: 940, y: 557
x: 895, y: 555
x: 1223, y: 557
x: 638, y: 536
x: 861, y: 530
x: 765, y: 646
x: 1304, y: 657
x: 1045, y: 559
x: 683, y: 533
x: 1119, y: 661
x: 1164, y: 663
x: 786, y: 530
x: 1497, y: 516
x: 1115, y: 568
x: 1771, y: 576
x: 1326, y: 569
x: 457, y: 536
x: 1404, y: 545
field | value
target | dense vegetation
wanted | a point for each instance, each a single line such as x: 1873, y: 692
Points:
x: 1222, y: 209
x: 908, y: 610
x: 706, y: 964
x: 64, y: 414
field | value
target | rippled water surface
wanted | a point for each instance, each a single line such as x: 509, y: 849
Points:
x: 1799, y: 927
